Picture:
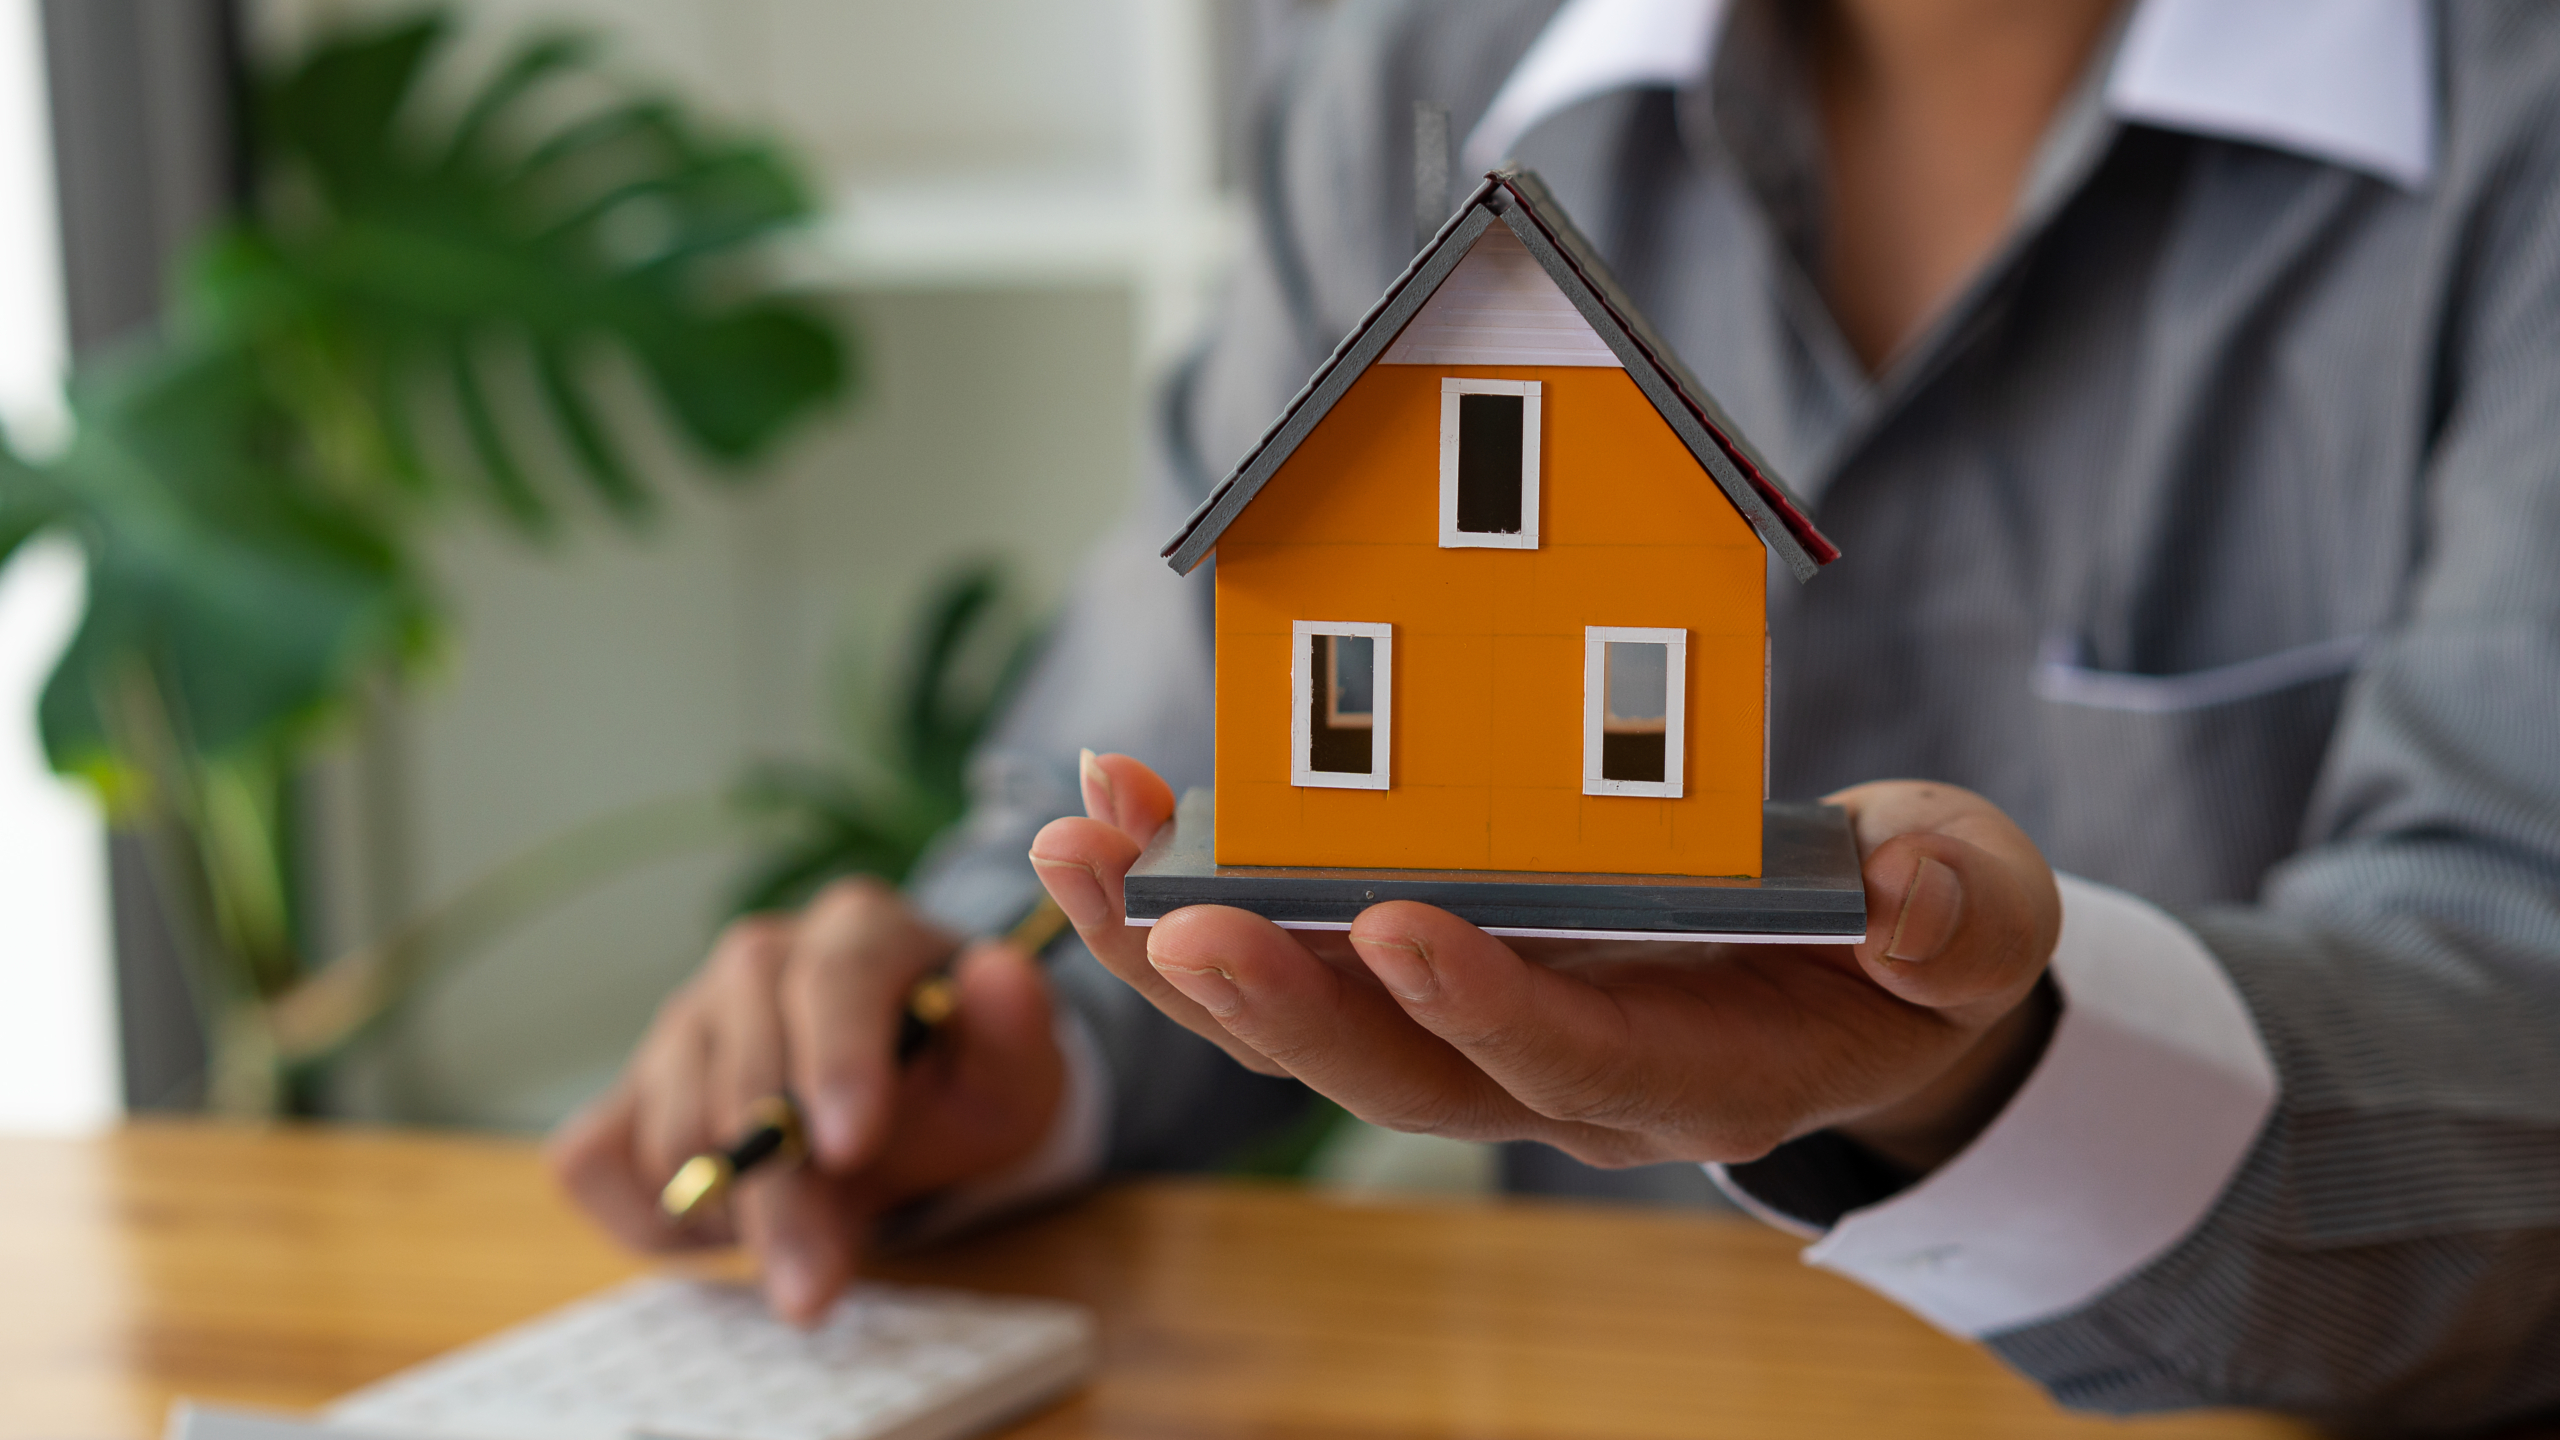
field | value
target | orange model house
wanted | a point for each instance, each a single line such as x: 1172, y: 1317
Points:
x: 1491, y: 596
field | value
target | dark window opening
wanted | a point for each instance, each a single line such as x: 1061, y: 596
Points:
x: 1489, y: 430
x: 1635, y: 711
x: 1342, y: 703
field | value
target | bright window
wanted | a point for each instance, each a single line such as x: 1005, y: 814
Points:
x: 57, y: 992
x: 1634, y: 683
x: 1489, y: 463
x: 1341, y: 691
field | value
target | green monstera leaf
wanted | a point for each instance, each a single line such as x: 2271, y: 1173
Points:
x: 417, y: 301
x: 425, y: 309
x: 497, y: 251
x: 245, y: 599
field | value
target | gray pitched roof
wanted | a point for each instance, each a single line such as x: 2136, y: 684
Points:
x: 1516, y: 198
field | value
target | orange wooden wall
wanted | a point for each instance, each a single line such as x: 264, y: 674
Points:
x: 1487, y: 745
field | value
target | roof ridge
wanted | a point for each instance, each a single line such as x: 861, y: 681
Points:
x: 1574, y: 266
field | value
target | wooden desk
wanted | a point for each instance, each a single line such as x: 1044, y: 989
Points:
x: 281, y: 1268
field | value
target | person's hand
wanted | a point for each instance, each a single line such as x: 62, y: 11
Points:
x: 810, y: 1003
x: 1619, y: 1053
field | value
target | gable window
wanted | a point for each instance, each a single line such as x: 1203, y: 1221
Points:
x: 1489, y: 463
x: 1342, y: 704
x: 1634, y: 681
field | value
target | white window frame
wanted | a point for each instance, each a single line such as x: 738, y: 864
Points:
x: 1595, y: 705
x: 1302, y: 693
x: 1451, y: 537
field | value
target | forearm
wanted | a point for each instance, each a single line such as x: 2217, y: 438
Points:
x: 2142, y: 1104
x: 2383, y: 1252
x: 2389, y: 1256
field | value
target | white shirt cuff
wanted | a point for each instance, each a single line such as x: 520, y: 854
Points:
x: 1066, y: 1159
x: 2146, y: 1102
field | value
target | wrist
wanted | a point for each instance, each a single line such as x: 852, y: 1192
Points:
x: 1931, y: 1126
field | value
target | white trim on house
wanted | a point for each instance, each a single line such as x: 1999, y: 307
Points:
x: 1531, y: 397
x: 1302, y: 681
x: 1499, y: 307
x: 1596, y: 640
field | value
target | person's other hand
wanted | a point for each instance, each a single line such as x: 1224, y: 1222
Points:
x: 810, y: 1003
x: 1619, y: 1053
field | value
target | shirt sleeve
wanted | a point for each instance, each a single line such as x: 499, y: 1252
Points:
x: 2147, y: 1100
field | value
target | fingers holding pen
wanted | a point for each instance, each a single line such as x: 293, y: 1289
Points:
x: 670, y: 1083
x: 810, y: 1005
x: 858, y: 952
x: 786, y: 1218
x: 741, y: 999
x: 616, y: 1155
x: 988, y: 1090
x: 836, y: 998
x: 593, y: 1158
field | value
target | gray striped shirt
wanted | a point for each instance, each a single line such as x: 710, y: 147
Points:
x: 2214, y: 533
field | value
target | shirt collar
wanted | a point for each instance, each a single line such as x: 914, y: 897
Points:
x: 2349, y: 82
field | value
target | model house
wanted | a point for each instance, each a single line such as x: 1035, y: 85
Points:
x: 1491, y: 595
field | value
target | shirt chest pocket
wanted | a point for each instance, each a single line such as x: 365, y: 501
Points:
x: 2185, y: 788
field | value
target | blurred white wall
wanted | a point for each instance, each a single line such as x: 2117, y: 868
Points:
x: 57, y: 1039
x: 1027, y: 217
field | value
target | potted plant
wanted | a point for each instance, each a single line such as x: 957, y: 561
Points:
x: 252, y: 486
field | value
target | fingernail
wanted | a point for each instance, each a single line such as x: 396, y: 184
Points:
x: 1076, y: 888
x: 1211, y: 989
x: 1931, y: 909
x: 1099, y: 802
x: 1400, y: 965
x: 831, y: 1123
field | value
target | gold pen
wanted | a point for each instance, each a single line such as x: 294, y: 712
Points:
x: 776, y: 1134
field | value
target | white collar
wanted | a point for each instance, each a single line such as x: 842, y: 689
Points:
x: 2351, y: 82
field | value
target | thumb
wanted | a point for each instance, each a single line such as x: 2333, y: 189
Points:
x: 1954, y: 926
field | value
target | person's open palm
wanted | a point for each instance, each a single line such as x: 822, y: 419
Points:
x: 1618, y: 1053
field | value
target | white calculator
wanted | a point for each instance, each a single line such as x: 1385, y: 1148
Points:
x: 667, y: 1359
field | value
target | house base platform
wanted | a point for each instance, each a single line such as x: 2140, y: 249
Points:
x: 1809, y: 891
